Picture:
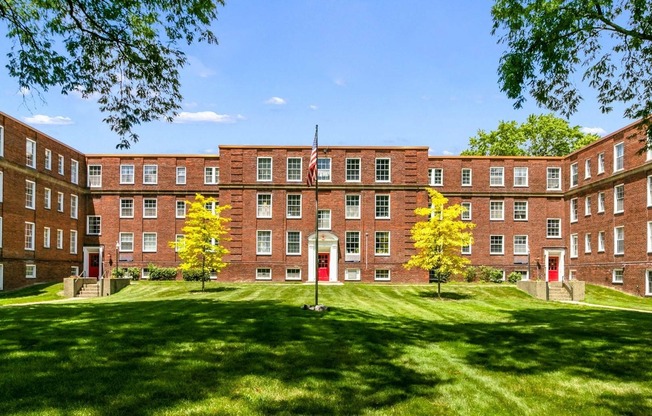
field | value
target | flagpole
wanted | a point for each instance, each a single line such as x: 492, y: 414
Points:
x: 317, y: 218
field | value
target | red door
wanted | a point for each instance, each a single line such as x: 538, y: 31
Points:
x: 323, y: 266
x: 553, y: 271
x: 93, y: 264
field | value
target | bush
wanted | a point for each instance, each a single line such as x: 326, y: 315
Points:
x: 489, y: 274
x: 118, y: 273
x: 438, y: 277
x: 514, y: 277
x: 134, y: 272
x: 162, y: 273
x: 471, y: 274
x: 194, y: 275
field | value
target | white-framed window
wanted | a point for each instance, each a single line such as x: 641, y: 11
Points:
x: 587, y: 205
x: 649, y: 191
x: 353, y: 169
x: 600, y: 163
x: 48, y: 159
x: 573, y: 210
x: 574, y: 175
x: 46, y: 237
x: 574, y: 246
x: 436, y: 177
x: 352, y: 274
x: 74, y: 270
x: 293, y: 273
x: 60, y: 201
x: 520, y: 211
x: 601, y: 243
x: 382, y: 206
x: 30, y: 194
x: 587, y: 243
x: 30, y: 152
x: 93, y: 225
x: 2, y: 186
x: 60, y: 164
x: 30, y: 271
x: 467, y: 214
x: 648, y: 282
x: 264, y: 242
x: 324, y: 219
x: 293, y: 243
x: 73, y: 242
x: 59, y: 239
x: 264, y: 169
x: 294, y: 169
x: 94, y: 175
x: 149, y: 242
x: 180, y: 242
x: 352, y: 245
x: 496, y: 210
x: 619, y: 157
x: 74, y: 171
x: 211, y: 206
x: 467, y: 177
x: 520, y: 176
x: 382, y: 243
x: 264, y: 206
x: 382, y: 275
x: 127, y: 174
x: 211, y: 175
x: 601, y: 202
x: 496, y: 176
x: 181, y: 175
x: 324, y: 169
x: 293, y: 206
x: 180, y: 211
x: 649, y: 236
x: 520, y: 244
x: 587, y: 168
x: 126, y: 207
x: 150, y: 174
x: 619, y: 240
x: 466, y: 249
x: 497, y: 244
x: 29, y: 236
x: 352, y: 206
x: 263, y: 273
x: 74, y: 206
x: 126, y: 242
x: 2, y: 151
x: 619, y: 198
x: 553, y: 228
x: 617, y: 276
x: 383, y: 169
x: 150, y: 208
x: 553, y: 179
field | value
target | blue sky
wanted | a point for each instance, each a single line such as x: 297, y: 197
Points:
x: 368, y: 72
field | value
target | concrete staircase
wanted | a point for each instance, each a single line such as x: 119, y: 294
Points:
x: 89, y: 290
x: 558, y: 292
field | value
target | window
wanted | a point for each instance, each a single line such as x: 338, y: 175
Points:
x: 60, y: 201
x: 181, y: 209
x: 94, y: 176
x: 352, y: 207
x: 600, y: 163
x: 587, y: 168
x: 74, y: 270
x: 467, y: 177
x: 149, y: 242
x: 324, y: 170
x: 264, y: 206
x: 520, y: 210
x: 436, y: 177
x: 150, y: 174
x: 496, y: 210
x: 74, y: 204
x: 649, y: 191
x: 648, y: 283
x: 619, y: 199
x: 293, y: 206
x: 126, y: 208
x: 1, y: 186
x: 553, y: 182
x: 383, y: 170
x: 324, y: 219
x: 60, y: 164
x: 587, y: 206
x: 619, y: 157
x: 553, y: 228
x: 180, y: 242
x: 352, y: 274
x: 149, y: 208
x: 600, y: 202
x: 520, y: 176
x: 617, y: 276
x: 353, y: 170
x: 587, y: 243
x: 574, y: 179
x: 30, y: 271
x: 46, y: 237
x: 93, y: 225
x: 181, y: 175
x: 601, y: 241
x: 30, y: 195
x: 48, y: 159
x: 382, y: 243
x: 466, y: 249
x: 211, y: 206
x: 466, y: 214
x: 382, y: 206
x: 352, y: 246
x: 573, y: 210
x: 496, y: 245
x: 30, y: 148
x: 619, y: 240
x: 382, y: 275
x: 293, y: 273
x: 74, y: 171
x: 649, y: 236
x: 127, y: 174
x: 264, y: 242
x: 73, y: 242
x: 29, y: 236
x: 520, y: 244
x: 59, y: 239
x: 496, y: 176
x: 211, y: 175
x: 293, y: 243
x: 294, y: 171
x: 127, y: 242
x: 264, y: 169
x: 2, y: 144
x: 263, y: 273
x: 574, y: 245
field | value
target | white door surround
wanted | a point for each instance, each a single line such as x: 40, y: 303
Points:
x: 327, y: 244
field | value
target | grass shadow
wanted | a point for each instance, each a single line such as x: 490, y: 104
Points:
x: 30, y: 291
x: 215, y: 289
x: 432, y: 294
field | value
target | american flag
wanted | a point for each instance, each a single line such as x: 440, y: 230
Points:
x: 311, y: 179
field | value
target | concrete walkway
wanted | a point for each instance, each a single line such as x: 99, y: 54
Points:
x: 593, y: 305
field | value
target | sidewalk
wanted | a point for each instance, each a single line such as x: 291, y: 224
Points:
x: 605, y: 306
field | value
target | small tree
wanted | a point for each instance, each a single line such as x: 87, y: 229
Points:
x: 439, y: 239
x: 204, y: 231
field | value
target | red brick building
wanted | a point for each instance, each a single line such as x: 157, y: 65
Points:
x: 583, y: 216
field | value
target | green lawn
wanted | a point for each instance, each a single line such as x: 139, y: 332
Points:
x: 169, y: 349
x: 36, y: 293
x: 600, y: 295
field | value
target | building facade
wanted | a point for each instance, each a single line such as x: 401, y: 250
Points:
x: 585, y: 216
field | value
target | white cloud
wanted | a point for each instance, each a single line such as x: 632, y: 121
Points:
x: 24, y: 91
x: 594, y: 130
x: 276, y: 101
x: 200, y: 69
x: 447, y: 153
x: 313, y: 107
x: 340, y: 82
x: 43, y: 119
x: 206, y: 116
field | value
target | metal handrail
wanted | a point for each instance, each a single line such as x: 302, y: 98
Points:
x: 569, y: 288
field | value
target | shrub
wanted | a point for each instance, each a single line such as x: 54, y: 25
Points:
x: 118, y: 273
x: 471, y: 274
x: 161, y: 273
x: 194, y: 275
x: 514, y: 277
x: 489, y: 274
x: 134, y: 272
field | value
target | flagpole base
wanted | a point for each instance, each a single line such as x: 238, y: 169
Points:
x: 316, y: 308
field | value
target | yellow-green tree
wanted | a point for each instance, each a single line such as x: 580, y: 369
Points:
x: 204, y: 232
x: 440, y: 238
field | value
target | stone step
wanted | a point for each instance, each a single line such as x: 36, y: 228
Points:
x: 90, y: 290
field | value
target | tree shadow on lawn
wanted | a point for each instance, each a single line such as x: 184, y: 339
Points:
x: 34, y: 290
x: 144, y: 357
x: 215, y: 289
x: 432, y: 294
